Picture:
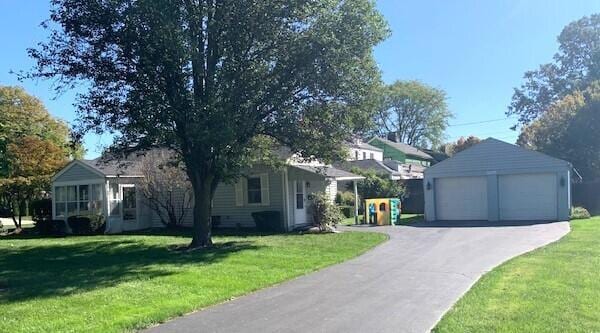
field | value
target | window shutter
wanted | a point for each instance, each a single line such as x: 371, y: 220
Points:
x: 264, y: 189
x: 239, y: 193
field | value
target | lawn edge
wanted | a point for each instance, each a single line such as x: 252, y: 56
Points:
x: 274, y: 285
x: 505, y: 262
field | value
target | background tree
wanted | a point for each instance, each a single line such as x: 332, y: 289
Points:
x: 33, y: 163
x: 378, y: 186
x: 575, y: 66
x: 24, y: 115
x: 461, y: 144
x: 204, y: 77
x: 413, y: 113
x: 569, y: 130
x: 166, y: 187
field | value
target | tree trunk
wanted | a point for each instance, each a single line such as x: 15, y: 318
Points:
x: 203, y: 187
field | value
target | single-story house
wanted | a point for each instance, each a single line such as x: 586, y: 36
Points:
x: 110, y: 188
x: 401, y: 152
x: 498, y: 181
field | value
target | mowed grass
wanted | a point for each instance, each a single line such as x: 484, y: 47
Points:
x: 123, y: 283
x: 553, y: 289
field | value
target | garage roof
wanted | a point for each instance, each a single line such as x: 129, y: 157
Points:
x: 495, y: 155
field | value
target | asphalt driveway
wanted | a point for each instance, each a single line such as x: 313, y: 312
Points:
x: 404, y: 285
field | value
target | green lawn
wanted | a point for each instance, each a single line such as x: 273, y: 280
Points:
x: 123, y: 283
x: 404, y: 219
x: 553, y: 289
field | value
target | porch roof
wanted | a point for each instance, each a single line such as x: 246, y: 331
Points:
x: 329, y: 172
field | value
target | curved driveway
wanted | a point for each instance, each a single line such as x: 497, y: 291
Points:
x: 403, y: 285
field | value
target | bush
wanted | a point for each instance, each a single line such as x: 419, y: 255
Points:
x: 86, y: 224
x: 50, y: 227
x: 344, y: 198
x: 268, y: 221
x: 375, y: 186
x: 578, y: 213
x: 41, y: 209
x: 347, y: 211
x: 326, y: 215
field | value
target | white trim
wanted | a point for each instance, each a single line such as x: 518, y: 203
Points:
x: 124, y: 176
x: 78, y: 162
x: 284, y: 189
x: 348, y: 178
x: 78, y: 182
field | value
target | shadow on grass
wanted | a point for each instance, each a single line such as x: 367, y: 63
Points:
x: 28, y: 272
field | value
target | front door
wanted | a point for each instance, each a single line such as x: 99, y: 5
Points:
x: 129, y: 204
x: 299, y: 202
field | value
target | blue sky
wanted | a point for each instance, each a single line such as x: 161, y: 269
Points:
x: 477, y: 51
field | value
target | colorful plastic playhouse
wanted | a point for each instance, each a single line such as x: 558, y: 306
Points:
x: 383, y: 211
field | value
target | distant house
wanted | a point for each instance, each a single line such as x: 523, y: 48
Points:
x: 401, y: 152
x: 360, y: 151
x: 110, y: 188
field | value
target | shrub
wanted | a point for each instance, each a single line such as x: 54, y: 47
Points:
x: 344, y: 198
x: 347, y: 211
x: 578, y: 213
x: 268, y: 221
x: 86, y: 224
x: 50, y: 227
x: 41, y: 209
x: 326, y: 215
x: 375, y: 186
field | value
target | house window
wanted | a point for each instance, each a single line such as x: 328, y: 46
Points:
x: 82, y: 199
x: 254, y: 190
x: 372, y: 156
x: 364, y: 155
x: 356, y: 155
x: 382, y: 207
x: 299, y: 195
x: 114, y: 202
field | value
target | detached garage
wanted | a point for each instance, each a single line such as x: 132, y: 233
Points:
x: 497, y: 181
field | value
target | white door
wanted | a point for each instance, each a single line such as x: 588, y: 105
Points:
x: 299, y: 202
x: 461, y: 198
x: 528, y: 197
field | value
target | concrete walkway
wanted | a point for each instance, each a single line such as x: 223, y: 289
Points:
x: 404, y: 285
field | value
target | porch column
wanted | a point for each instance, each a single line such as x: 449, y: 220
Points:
x: 355, y: 202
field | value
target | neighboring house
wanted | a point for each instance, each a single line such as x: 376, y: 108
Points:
x: 360, y: 151
x: 110, y: 188
x: 401, y: 152
x: 498, y: 181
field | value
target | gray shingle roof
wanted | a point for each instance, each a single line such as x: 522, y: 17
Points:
x: 377, y: 166
x: 328, y: 171
x: 111, y: 167
x: 405, y: 148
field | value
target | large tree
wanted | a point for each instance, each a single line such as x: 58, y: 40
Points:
x: 569, y: 130
x: 204, y: 77
x: 575, y: 66
x: 413, y: 113
x: 22, y: 114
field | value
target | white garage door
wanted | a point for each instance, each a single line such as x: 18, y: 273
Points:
x: 461, y: 198
x: 528, y: 197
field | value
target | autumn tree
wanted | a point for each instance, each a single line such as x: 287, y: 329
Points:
x: 166, y: 187
x: 204, y: 77
x: 413, y: 113
x: 33, y: 163
x: 22, y: 114
x: 575, y: 66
